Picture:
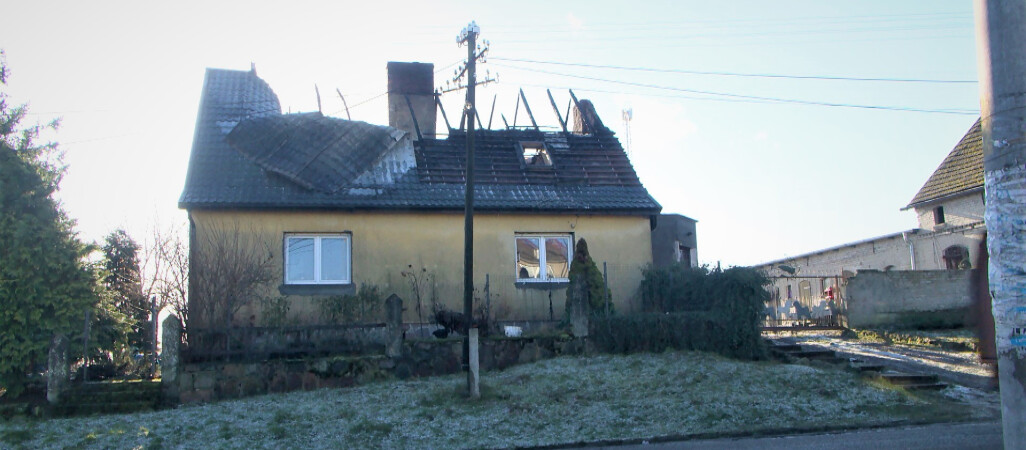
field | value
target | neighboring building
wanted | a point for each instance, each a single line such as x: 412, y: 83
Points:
x: 949, y: 207
x: 674, y: 240
x: 950, y: 204
x: 343, y: 203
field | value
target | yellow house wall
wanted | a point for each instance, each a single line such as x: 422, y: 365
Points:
x: 386, y: 244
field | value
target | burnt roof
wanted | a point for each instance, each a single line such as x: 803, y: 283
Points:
x: 246, y: 154
x: 582, y: 160
x: 961, y: 171
x: 316, y: 152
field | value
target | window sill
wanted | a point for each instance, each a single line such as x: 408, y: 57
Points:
x: 541, y: 285
x: 317, y: 289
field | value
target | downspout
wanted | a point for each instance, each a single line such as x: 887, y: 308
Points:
x: 911, y: 249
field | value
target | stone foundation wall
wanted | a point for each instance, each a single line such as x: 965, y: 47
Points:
x: 205, y: 382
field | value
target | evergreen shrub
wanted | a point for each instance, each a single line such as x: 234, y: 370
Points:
x: 691, y: 309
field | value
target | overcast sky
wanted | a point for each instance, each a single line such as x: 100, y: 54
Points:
x: 770, y: 166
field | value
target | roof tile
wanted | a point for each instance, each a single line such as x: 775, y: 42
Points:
x: 323, y: 161
x: 961, y: 170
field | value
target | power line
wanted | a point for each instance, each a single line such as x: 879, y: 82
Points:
x: 368, y: 100
x: 104, y: 138
x: 649, y: 25
x: 731, y: 33
x: 734, y: 74
x: 753, y: 97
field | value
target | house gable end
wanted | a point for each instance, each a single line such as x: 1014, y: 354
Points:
x: 960, y: 172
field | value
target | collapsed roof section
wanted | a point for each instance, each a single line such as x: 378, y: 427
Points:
x: 316, y: 152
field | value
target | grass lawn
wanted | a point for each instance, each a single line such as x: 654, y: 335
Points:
x: 961, y: 339
x: 562, y: 400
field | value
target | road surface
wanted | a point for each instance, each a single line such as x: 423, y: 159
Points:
x: 942, y: 436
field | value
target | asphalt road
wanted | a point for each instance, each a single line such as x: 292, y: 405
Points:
x: 979, y: 435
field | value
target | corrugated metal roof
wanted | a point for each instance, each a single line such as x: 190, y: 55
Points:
x: 246, y: 154
x: 961, y: 170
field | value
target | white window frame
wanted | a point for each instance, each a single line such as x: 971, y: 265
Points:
x: 347, y: 254
x: 543, y: 267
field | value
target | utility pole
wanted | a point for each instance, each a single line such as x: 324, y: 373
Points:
x: 1001, y: 63
x: 469, y: 37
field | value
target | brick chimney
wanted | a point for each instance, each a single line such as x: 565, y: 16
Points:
x: 415, y: 80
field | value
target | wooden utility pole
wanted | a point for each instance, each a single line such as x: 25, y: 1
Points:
x: 469, y: 37
x: 1001, y: 61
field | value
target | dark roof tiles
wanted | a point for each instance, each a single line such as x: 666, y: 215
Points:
x: 316, y: 152
x: 961, y: 170
x: 325, y: 157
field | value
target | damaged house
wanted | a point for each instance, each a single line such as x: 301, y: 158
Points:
x: 336, y: 204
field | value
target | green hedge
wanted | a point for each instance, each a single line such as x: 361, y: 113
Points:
x: 654, y: 332
x: 691, y: 309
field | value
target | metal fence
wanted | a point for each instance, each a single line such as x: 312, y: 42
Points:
x: 806, y: 302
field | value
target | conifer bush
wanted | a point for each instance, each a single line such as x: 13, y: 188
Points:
x: 691, y: 309
x: 584, y: 268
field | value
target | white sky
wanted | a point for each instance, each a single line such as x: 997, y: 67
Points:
x: 764, y: 179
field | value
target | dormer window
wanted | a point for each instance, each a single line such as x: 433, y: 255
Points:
x: 535, y: 154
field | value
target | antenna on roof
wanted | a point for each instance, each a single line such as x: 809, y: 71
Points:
x: 318, y: 92
x: 628, y: 115
x: 252, y: 67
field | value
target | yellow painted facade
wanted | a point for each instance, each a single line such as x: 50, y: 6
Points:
x: 384, y: 244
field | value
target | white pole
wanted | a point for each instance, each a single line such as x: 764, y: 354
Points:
x: 475, y: 365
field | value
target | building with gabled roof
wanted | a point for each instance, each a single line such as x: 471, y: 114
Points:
x: 953, y: 195
x: 949, y: 208
x: 345, y: 203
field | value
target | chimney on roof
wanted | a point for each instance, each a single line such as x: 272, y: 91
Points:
x: 586, y: 120
x: 415, y: 81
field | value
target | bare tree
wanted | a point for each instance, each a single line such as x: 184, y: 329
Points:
x: 231, y: 269
x: 165, y: 266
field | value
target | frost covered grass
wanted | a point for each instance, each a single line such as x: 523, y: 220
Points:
x: 961, y: 339
x: 562, y: 400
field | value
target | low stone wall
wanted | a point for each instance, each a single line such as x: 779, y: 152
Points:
x: 204, y: 382
x: 909, y: 298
